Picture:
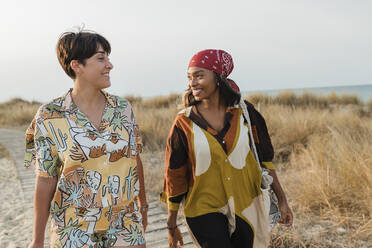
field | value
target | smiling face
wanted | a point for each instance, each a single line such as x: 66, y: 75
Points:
x: 202, y: 83
x: 96, y: 70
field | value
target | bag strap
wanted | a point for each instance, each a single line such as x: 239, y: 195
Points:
x: 246, y: 115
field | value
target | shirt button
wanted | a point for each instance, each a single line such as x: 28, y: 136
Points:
x: 223, y: 142
x: 226, y: 160
x: 228, y: 179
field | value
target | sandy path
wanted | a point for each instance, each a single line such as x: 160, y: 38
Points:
x: 15, y: 213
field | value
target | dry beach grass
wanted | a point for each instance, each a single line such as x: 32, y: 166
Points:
x: 323, y: 157
x: 3, y: 152
x: 325, y: 164
x: 17, y: 113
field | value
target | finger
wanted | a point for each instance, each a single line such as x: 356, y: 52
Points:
x: 181, y: 241
x: 288, y: 221
x: 171, y: 243
x: 283, y: 218
x: 170, y: 240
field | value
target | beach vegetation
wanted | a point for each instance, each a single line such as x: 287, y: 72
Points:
x: 17, y: 113
x: 4, y: 152
x: 369, y: 105
x: 306, y: 99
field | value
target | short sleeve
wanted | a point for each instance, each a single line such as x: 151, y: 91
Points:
x: 137, y: 135
x: 130, y: 123
x: 41, y: 151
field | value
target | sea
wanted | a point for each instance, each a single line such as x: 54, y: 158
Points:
x: 363, y: 92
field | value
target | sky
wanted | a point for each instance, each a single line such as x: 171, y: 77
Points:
x: 275, y: 44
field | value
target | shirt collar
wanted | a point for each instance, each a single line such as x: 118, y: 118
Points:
x: 69, y: 105
x: 201, y: 122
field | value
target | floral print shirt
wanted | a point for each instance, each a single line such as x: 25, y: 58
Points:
x: 94, y: 204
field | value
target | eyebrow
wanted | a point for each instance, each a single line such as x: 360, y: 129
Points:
x: 195, y: 72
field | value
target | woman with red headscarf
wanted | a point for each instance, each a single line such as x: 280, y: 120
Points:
x: 210, y: 166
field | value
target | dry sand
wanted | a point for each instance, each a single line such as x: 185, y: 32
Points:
x: 15, y: 214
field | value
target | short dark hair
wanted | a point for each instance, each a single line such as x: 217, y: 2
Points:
x: 229, y: 96
x: 79, y: 46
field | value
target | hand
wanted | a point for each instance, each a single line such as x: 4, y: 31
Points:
x: 144, y: 219
x: 35, y: 244
x: 286, y: 214
x: 144, y: 207
x: 175, y: 237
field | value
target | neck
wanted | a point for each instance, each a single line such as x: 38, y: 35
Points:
x: 214, y: 102
x: 86, y: 96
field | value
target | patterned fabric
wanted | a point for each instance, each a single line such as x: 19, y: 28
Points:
x: 218, y: 61
x: 95, y: 203
x: 215, y: 60
x: 216, y: 171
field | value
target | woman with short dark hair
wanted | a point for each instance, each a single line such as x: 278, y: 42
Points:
x: 85, y: 148
x: 210, y: 166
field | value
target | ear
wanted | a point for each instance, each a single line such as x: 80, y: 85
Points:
x: 75, y: 66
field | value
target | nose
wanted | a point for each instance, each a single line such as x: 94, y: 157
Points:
x: 193, y: 81
x: 109, y: 65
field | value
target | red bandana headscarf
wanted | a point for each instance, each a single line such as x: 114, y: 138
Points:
x: 218, y: 61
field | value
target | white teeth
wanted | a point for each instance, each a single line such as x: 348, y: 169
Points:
x: 196, y: 92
